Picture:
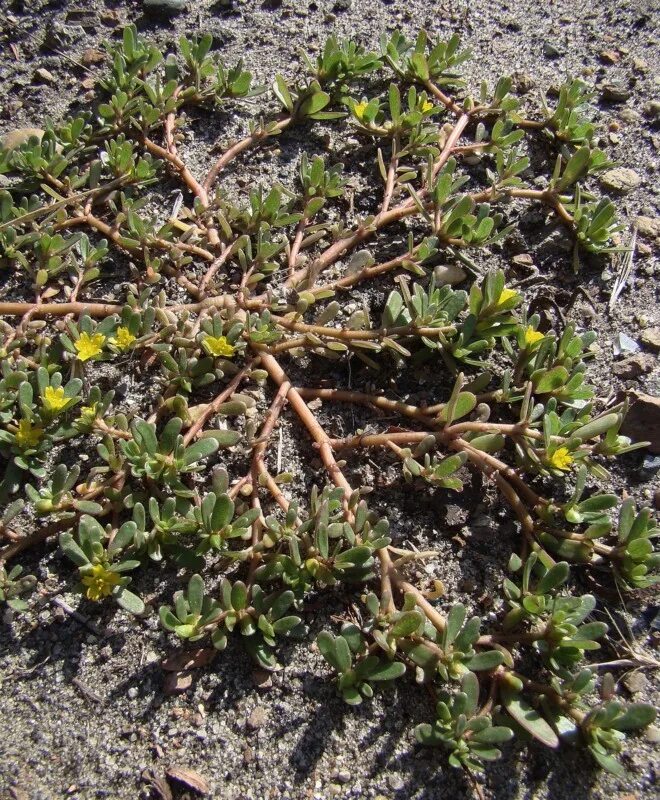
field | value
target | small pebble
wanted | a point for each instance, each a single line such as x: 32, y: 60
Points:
x: 257, y: 718
x: 621, y: 180
x: 615, y: 93
x: 44, y: 76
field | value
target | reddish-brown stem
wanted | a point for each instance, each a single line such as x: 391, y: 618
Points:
x: 383, y: 403
x: 258, y: 466
x: 310, y: 422
x: 104, y: 309
x: 213, y: 407
x: 211, y: 271
x: 186, y: 175
x: 391, y: 177
x: 357, y: 335
x: 59, y: 309
x: 383, y: 219
x: 115, y: 236
x: 295, y: 246
x: 446, y: 101
x: 236, y: 149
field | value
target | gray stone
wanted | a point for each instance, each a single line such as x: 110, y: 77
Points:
x: 396, y: 782
x: 652, y: 734
x: 651, y: 338
x: 342, y: 776
x: 652, y: 109
x: 615, y: 93
x: 629, y: 115
x: 257, y: 718
x: 624, y: 344
x: 621, y: 180
x: 635, y: 682
x: 550, y: 51
x: 44, y: 76
x: 449, y: 274
x: 166, y: 7
x: 649, y: 227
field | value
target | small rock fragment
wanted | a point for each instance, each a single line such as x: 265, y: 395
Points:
x: 449, y: 274
x: 634, y: 366
x: 635, y: 682
x: 648, y: 227
x: 257, y: 718
x: 642, y: 423
x: 190, y: 778
x: 621, y: 179
x: 651, y: 338
x: 652, y: 734
x: 624, y: 344
x: 189, y: 659
x: 342, y: 776
x: 165, y: 7
x: 42, y: 75
x: 92, y: 56
x: 523, y: 83
x: 629, y: 115
x: 649, y: 468
x: 177, y: 682
x: 610, y: 56
x: 550, y: 51
x: 262, y: 679
x: 652, y: 109
x: 615, y: 93
x: 14, y: 139
x: 396, y: 782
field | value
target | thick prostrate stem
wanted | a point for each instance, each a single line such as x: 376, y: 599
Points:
x: 310, y: 422
x: 120, y: 241
x: 188, y: 178
x: 361, y: 335
x: 446, y: 101
x: 383, y: 403
x: 213, y: 407
x: 186, y: 175
x: 58, y: 309
x: 386, y: 217
x: 258, y: 466
x: 236, y: 149
x: 212, y: 270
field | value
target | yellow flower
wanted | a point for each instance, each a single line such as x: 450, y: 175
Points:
x: 88, y: 414
x: 561, y: 459
x: 218, y: 346
x: 89, y: 346
x: 123, y: 339
x: 360, y: 108
x: 100, y: 582
x: 28, y: 436
x: 427, y: 105
x: 54, y: 399
x: 532, y: 336
x: 505, y: 295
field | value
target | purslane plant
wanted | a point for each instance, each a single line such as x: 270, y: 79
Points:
x: 511, y: 398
